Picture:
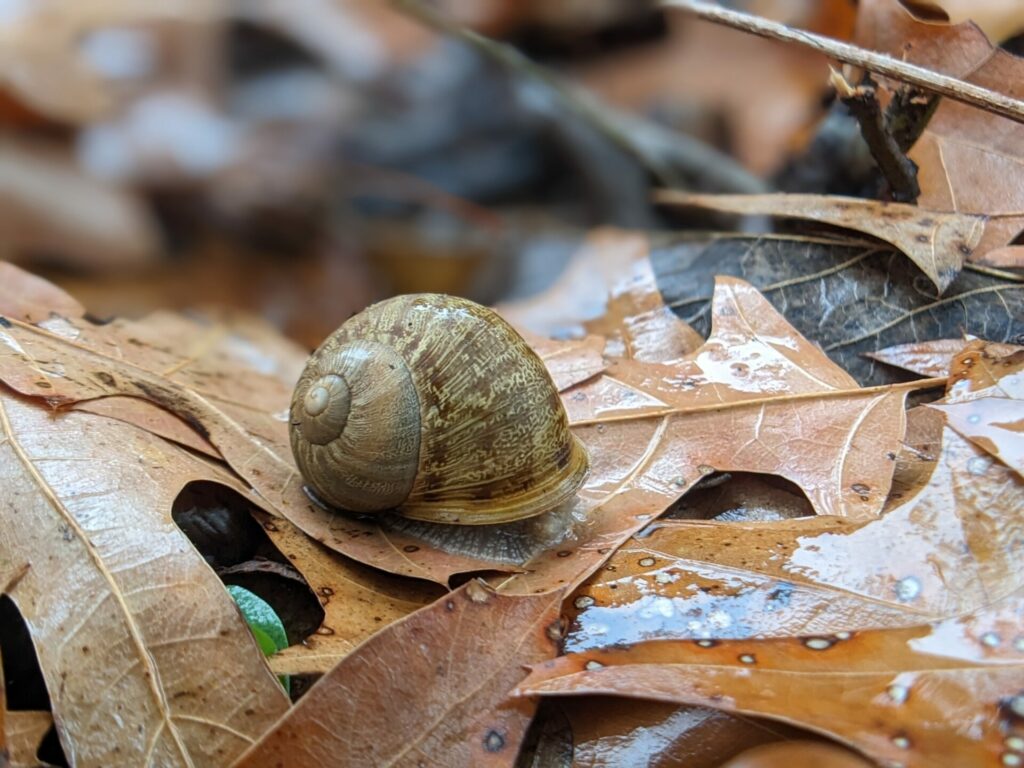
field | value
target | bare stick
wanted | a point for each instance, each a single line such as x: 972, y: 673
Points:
x: 667, y: 155
x: 899, y: 170
x: 926, y: 79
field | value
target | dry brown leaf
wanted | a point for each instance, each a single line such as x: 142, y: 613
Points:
x: 609, y: 289
x: 931, y: 358
x: 129, y: 623
x: 31, y: 299
x: 998, y: 19
x: 948, y: 549
x: 51, y: 207
x: 985, y: 401
x: 431, y: 687
x: 970, y: 161
x: 936, y: 242
x: 25, y: 732
x: 897, y: 695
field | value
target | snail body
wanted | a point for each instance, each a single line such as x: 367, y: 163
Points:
x: 435, y: 407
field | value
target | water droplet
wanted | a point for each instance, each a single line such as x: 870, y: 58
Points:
x: 747, y: 658
x: 1016, y: 743
x: 679, y: 482
x: 979, y: 465
x: 861, y: 489
x: 818, y: 643
x: 594, y: 664
x: 1012, y: 759
x: 705, y: 469
x: 647, y: 562
x: 898, y: 693
x: 990, y: 640
x: 1016, y: 705
x: 843, y: 635
x: 706, y: 643
x: 901, y: 742
x: 583, y: 601
x: 907, y: 589
x: 494, y: 741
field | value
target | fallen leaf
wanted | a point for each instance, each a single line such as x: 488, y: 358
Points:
x: 25, y: 732
x: 129, y: 623
x: 357, y: 600
x: 849, y: 298
x: 985, y: 402
x: 609, y: 290
x: 998, y: 19
x: 947, y: 693
x: 936, y: 242
x: 798, y: 754
x: 608, y: 731
x: 930, y: 358
x: 450, y: 665
x: 948, y: 549
x: 31, y: 299
x: 969, y: 160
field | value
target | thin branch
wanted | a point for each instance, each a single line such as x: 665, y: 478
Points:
x: 899, y: 170
x: 926, y: 79
x: 667, y: 155
x: 907, y: 386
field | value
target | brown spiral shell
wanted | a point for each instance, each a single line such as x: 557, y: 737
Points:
x: 434, y: 406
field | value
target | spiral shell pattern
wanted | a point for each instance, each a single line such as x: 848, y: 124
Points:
x: 434, y: 406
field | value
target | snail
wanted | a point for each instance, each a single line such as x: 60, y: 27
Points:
x: 434, y: 407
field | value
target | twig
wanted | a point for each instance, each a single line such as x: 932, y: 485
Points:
x: 898, y: 169
x: 668, y: 156
x: 906, y: 386
x: 879, y: 63
x: 908, y: 114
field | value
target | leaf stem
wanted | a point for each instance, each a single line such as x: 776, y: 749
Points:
x: 926, y: 79
x: 829, y: 394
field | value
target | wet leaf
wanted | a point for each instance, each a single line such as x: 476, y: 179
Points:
x: 609, y: 289
x: 947, y: 549
x: 129, y: 623
x: 798, y: 754
x: 925, y: 358
x: 450, y: 665
x: 970, y: 161
x: 936, y: 242
x: 947, y: 693
x: 610, y: 731
x: 985, y: 402
x: 850, y: 299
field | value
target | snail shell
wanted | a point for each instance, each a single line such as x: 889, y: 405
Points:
x: 434, y: 406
